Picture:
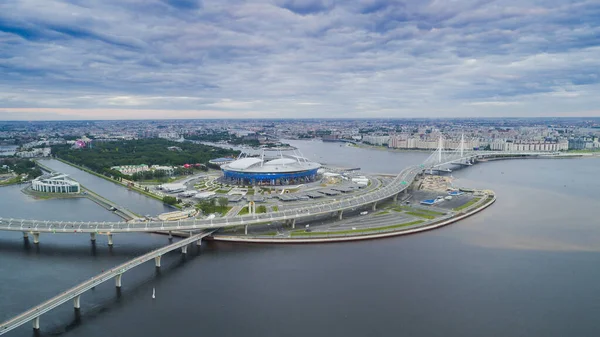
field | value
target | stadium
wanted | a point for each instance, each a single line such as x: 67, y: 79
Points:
x: 274, y: 167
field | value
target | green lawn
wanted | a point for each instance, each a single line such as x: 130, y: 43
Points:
x: 468, y: 204
x: 224, y: 209
x: 11, y: 181
x: 364, y: 230
x: 250, y: 192
x: 259, y: 210
x: 222, y: 191
x: 275, y: 208
x: 421, y: 215
x: 243, y: 211
x: 417, y: 210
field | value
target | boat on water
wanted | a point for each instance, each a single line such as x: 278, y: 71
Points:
x: 153, y: 293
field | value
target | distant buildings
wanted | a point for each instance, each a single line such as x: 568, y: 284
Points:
x: 133, y: 169
x: 376, y: 140
x: 169, y: 135
x: 583, y: 143
x: 429, y: 143
x: 43, y: 152
x: 530, y: 146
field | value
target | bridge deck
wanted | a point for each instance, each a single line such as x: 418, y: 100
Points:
x: 77, y: 290
x: 397, y: 185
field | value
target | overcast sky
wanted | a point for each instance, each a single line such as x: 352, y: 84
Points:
x: 126, y: 59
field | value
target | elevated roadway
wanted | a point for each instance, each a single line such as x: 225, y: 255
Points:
x: 397, y: 185
x: 33, y: 314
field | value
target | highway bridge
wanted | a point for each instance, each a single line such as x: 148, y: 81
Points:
x: 116, y: 273
x: 396, y: 186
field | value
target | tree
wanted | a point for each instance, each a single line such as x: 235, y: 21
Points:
x: 169, y: 200
x: 223, y: 201
x: 261, y: 209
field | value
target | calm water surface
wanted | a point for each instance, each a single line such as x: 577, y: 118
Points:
x: 527, y: 266
x: 131, y: 200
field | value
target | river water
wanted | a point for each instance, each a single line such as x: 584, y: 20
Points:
x: 114, y: 192
x: 526, y: 266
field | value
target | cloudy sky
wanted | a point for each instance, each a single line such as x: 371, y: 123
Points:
x: 115, y: 59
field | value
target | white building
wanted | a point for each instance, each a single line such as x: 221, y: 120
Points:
x: 529, y: 146
x: 376, y: 140
x: 58, y: 183
x: 173, y: 188
x: 44, y: 152
x: 131, y: 169
x: 169, y: 135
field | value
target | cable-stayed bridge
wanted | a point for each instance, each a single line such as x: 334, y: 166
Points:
x: 442, y: 159
x: 439, y: 160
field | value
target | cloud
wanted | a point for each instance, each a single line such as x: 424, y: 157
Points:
x: 289, y: 58
x: 185, y: 4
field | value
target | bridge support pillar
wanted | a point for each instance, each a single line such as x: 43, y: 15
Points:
x: 374, y: 206
x: 110, y: 240
x: 184, y: 249
x: 157, y: 261
x: 340, y: 215
x: 170, y: 235
x: 93, y: 237
x: 36, y: 323
x: 396, y: 197
x: 77, y: 302
x: 36, y: 237
x: 246, y: 229
x: 118, y: 280
x: 199, y: 242
x: 293, y: 223
x: 25, y: 235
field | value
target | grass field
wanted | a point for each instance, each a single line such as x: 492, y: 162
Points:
x: 421, y: 215
x: 417, y: 210
x: 243, y: 211
x: 364, y: 230
x: 468, y: 204
x: 11, y: 181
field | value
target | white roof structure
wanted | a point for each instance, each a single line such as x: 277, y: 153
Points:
x: 281, y: 161
x: 244, y: 163
x: 204, y: 195
x: 279, y: 165
x: 274, y: 160
x: 173, y: 187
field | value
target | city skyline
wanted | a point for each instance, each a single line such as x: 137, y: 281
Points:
x: 71, y: 60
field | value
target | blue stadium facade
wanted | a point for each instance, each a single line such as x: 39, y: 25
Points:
x: 269, y: 178
x: 280, y: 171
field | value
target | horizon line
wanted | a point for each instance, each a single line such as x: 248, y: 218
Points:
x: 298, y: 118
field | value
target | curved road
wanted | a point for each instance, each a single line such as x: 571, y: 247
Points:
x: 396, y: 186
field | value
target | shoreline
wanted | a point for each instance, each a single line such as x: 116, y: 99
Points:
x: 460, y: 216
x: 150, y: 195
